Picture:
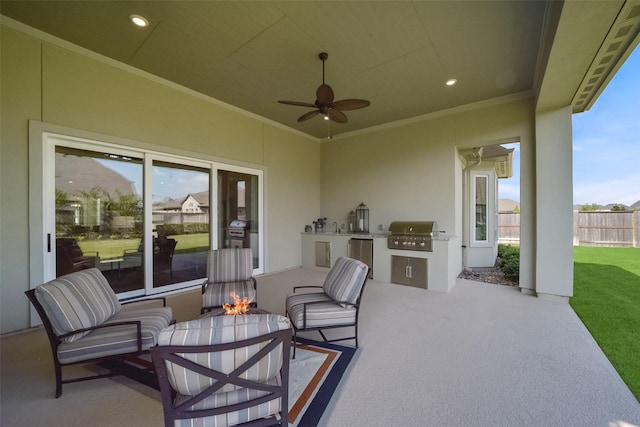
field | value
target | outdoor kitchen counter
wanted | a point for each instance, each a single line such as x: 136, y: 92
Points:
x: 444, y: 261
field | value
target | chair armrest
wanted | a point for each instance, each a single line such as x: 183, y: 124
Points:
x: 136, y: 323
x: 307, y: 287
x: 163, y: 299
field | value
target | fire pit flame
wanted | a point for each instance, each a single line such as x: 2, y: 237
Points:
x: 240, y: 306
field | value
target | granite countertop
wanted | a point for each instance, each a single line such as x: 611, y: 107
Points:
x: 381, y: 234
x: 347, y: 234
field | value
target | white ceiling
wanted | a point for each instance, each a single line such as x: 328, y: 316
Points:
x: 397, y: 54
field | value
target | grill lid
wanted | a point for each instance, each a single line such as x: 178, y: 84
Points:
x: 424, y: 228
x: 238, y: 223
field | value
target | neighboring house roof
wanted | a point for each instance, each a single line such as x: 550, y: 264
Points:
x: 176, y: 204
x: 507, y: 205
x: 610, y: 206
x: 202, y: 198
x: 82, y: 174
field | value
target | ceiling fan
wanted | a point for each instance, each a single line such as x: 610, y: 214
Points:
x: 325, y: 105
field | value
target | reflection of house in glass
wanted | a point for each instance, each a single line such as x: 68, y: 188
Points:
x: 86, y: 188
x: 192, y: 203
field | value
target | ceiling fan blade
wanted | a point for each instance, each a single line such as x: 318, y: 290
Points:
x: 307, y: 116
x: 351, y: 104
x: 299, y: 104
x: 324, y: 95
x: 337, y: 115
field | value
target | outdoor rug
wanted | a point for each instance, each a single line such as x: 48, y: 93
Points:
x: 313, y: 377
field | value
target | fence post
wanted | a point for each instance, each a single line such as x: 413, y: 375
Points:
x: 635, y: 220
x: 576, y: 235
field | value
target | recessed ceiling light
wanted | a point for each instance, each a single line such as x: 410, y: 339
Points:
x: 451, y: 82
x: 140, y: 21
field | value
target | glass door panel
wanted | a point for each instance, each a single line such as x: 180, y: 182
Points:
x: 238, y: 212
x: 181, y: 211
x: 481, y: 208
x: 98, y: 211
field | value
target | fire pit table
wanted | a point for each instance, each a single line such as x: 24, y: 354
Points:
x: 221, y: 312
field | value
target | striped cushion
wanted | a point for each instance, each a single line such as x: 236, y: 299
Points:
x: 219, y: 330
x: 118, y: 339
x: 325, y: 314
x: 229, y: 265
x: 345, y: 280
x: 231, y: 418
x: 217, y: 294
x: 78, y: 300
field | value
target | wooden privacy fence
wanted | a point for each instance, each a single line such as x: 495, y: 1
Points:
x: 589, y: 228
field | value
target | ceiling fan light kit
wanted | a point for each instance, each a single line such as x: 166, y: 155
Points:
x: 325, y: 104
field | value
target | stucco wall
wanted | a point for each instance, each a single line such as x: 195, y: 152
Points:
x: 44, y: 82
x: 412, y: 172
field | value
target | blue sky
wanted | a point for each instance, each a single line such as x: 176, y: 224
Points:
x: 606, y: 144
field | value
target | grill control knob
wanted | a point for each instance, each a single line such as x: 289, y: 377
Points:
x: 422, y: 244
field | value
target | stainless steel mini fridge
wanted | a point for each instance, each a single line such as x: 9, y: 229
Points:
x: 362, y: 249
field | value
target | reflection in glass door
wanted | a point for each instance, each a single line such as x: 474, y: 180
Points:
x: 181, y: 211
x: 238, y: 212
x: 98, y: 211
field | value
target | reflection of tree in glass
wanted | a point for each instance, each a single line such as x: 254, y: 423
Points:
x: 97, y: 211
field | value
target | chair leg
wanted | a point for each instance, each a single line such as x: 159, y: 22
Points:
x: 58, y: 370
x: 295, y: 342
x: 356, y: 336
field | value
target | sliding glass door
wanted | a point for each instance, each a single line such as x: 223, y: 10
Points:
x: 98, y: 215
x: 142, y: 218
x: 181, y: 212
x: 239, y: 212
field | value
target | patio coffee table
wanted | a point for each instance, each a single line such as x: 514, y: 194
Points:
x: 221, y: 311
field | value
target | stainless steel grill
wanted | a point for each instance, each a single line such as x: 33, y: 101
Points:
x: 412, y: 235
x: 237, y: 234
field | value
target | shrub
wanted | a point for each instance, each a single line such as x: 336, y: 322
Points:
x: 509, y: 260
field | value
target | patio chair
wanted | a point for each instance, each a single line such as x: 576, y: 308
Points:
x: 163, y: 258
x: 336, y: 306
x: 85, y: 322
x: 225, y: 371
x: 70, y: 258
x: 228, y: 271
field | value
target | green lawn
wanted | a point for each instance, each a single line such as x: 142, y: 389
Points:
x: 607, y: 299
x: 114, y: 248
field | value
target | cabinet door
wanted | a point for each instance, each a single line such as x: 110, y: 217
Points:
x: 323, y: 254
x: 409, y: 271
x: 418, y: 272
x: 362, y: 250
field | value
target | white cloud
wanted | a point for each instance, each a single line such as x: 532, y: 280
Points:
x: 617, y: 190
x: 508, y: 189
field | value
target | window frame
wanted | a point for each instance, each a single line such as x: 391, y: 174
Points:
x: 489, y: 221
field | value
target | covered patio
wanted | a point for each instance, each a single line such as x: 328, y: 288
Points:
x: 480, y: 355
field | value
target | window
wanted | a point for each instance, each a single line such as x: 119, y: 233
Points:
x: 481, y: 208
x: 238, y: 211
x: 482, y: 193
x: 141, y: 217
